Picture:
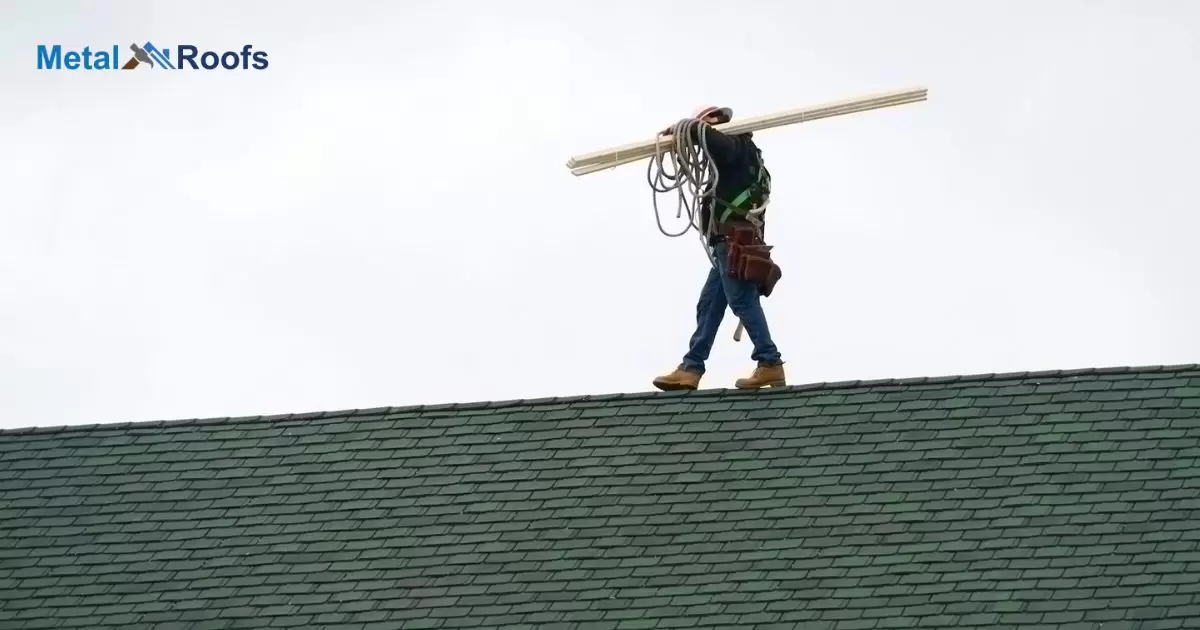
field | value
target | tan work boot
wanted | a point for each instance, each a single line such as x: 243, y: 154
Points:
x: 763, y: 376
x: 679, y: 379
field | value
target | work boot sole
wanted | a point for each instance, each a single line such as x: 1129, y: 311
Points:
x: 779, y: 383
x: 673, y: 387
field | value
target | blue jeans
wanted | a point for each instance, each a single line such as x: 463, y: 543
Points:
x: 721, y: 291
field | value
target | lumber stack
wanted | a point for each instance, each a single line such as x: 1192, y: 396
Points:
x: 616, y: 156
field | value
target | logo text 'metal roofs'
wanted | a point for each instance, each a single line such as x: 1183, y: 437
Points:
x: 187, y: 57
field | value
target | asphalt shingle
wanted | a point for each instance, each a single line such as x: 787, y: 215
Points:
x: 1037, y: 500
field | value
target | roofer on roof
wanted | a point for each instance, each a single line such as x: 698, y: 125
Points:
x: 742, y: 269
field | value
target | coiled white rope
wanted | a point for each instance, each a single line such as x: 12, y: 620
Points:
x: 692, y: 176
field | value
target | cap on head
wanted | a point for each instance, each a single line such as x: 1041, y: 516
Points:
x: 712, y: 110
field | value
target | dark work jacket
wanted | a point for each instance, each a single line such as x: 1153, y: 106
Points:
x: 735, y: 158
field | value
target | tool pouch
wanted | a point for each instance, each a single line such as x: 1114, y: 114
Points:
x: 749, y: 259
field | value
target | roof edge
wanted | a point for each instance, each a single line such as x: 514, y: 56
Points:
x: 630, y: 396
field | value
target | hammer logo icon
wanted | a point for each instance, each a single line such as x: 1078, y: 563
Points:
x: 149, y: 55
x: 139, y: 56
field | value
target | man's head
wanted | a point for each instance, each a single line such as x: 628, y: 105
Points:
x: 713, y: 115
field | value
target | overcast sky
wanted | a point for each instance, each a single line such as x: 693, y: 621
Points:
x: 384, y: 217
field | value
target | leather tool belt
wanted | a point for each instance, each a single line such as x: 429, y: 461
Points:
x: 749, y: 258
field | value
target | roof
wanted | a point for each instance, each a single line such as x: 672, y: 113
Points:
x: 1035, y: 500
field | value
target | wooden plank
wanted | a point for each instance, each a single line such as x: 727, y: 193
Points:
x: 625, y: 154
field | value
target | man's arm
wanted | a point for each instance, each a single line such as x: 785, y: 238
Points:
x: 724, y: 149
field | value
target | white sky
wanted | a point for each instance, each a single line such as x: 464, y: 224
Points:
x: 383, y: 217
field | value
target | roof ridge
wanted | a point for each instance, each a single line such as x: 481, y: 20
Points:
x: 626, y: 396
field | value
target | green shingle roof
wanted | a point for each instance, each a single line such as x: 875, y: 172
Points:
x: 1036, y: 500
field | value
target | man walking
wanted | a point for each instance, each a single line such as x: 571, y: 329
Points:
x: 742, y: 271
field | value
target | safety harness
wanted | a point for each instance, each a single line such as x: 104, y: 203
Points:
x: 748, y: 257
x: 759, y: 191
